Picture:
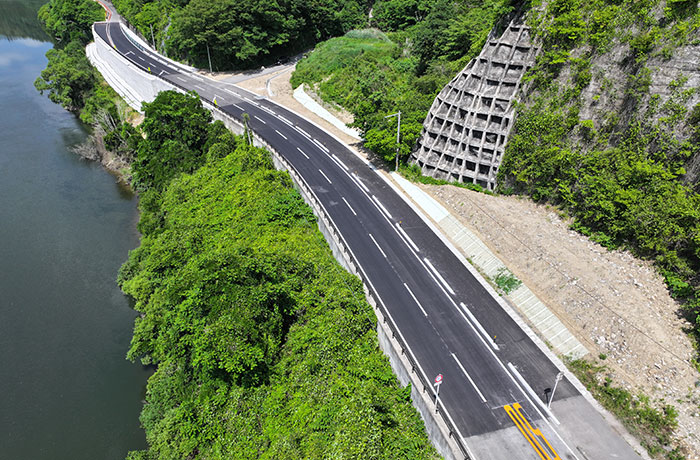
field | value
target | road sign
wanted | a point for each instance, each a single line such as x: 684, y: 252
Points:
x: 438, y: 379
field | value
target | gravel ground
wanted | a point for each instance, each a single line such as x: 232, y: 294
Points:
x: 616, y: 305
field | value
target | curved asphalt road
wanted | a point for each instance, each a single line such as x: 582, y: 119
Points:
x: 432, y: 298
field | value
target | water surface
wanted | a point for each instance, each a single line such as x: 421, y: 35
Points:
x: 66, y: 390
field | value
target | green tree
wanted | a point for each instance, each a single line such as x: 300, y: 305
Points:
x: 70, y: 20
x: 177, y: 131
x: 69, y: 78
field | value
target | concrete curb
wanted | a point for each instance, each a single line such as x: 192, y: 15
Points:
x: 306, y: 100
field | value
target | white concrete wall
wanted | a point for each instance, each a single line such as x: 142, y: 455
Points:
x: 128, y: 80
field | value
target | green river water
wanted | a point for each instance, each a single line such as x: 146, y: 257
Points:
x: 66, y: 390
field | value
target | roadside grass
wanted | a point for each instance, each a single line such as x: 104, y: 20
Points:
x: 653, y: 427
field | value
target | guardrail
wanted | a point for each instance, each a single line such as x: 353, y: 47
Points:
x: 383, y: 315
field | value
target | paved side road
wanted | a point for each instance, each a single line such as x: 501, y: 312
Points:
x: 494, y: 374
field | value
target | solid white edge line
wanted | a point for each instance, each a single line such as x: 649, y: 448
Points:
x: 414, y: 299
x: 483, y: 399
x: 383, y: 208
x: 377, y: 245
x: 408, y: 238
x: 260, y: 119
x: 281, y: 135
x: 326, y: 177
x: 302, y: 152
x: 439, y: 276
x: 339, y: 161
x: 479, y: 326
x: 348, y: 205
x: 271, y: 112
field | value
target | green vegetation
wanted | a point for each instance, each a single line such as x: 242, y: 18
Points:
x: 243, y: 33
x: 373, y: 74
x: 70, y: 80
x: 70, y: 20
x: 620, y: 175
x: 264, y: 345
x: 506, y: 282
x: 652, y: 426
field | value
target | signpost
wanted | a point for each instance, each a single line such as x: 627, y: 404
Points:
x: 438, y: 382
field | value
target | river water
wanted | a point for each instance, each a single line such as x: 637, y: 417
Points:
x: 66, y: 390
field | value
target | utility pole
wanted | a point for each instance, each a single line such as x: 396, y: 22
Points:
x: 398, y: 136
x: 209, y: 57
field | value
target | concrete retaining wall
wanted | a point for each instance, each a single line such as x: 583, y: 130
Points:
x: 134, y: 85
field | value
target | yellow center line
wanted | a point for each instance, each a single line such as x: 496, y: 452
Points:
x: 532, y: 435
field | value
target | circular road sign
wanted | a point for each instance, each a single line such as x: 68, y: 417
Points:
x: 438, y: 379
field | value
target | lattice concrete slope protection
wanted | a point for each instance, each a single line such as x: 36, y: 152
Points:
x: 466, y: 129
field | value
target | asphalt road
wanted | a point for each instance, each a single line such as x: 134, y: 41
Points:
x: 448, y: 320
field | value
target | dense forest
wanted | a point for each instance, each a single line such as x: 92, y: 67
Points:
x: 265, y: 347
x: 240, y: 33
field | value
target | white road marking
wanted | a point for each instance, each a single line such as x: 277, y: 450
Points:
x: 271, y: 112
x: 128, y: 53
x: 479, y: 326
x: 141, y: 58
x: 302, y: 152
x: 377, y: 244
x: 339, y: 162
x: 196, y: 77
x: 284, y: 120
x: 359, y: 182
x: 469, y: 378
x: 439, y: 276
x: 199, y: 88
x: 239, y: 107
x: 321, y: 146
x: 533, y: 395
x: 414, y: 299
x: 348, y: 204
x: 302, y: 132
x: 382, y: 207
x: 282, y: 135
x: 250, y: 101
x: 162, y: 72
x: 329, y: 181
x: 259, y: 119
x: 408, y: 238
x: 230, y: 92
x: 181, y: 79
